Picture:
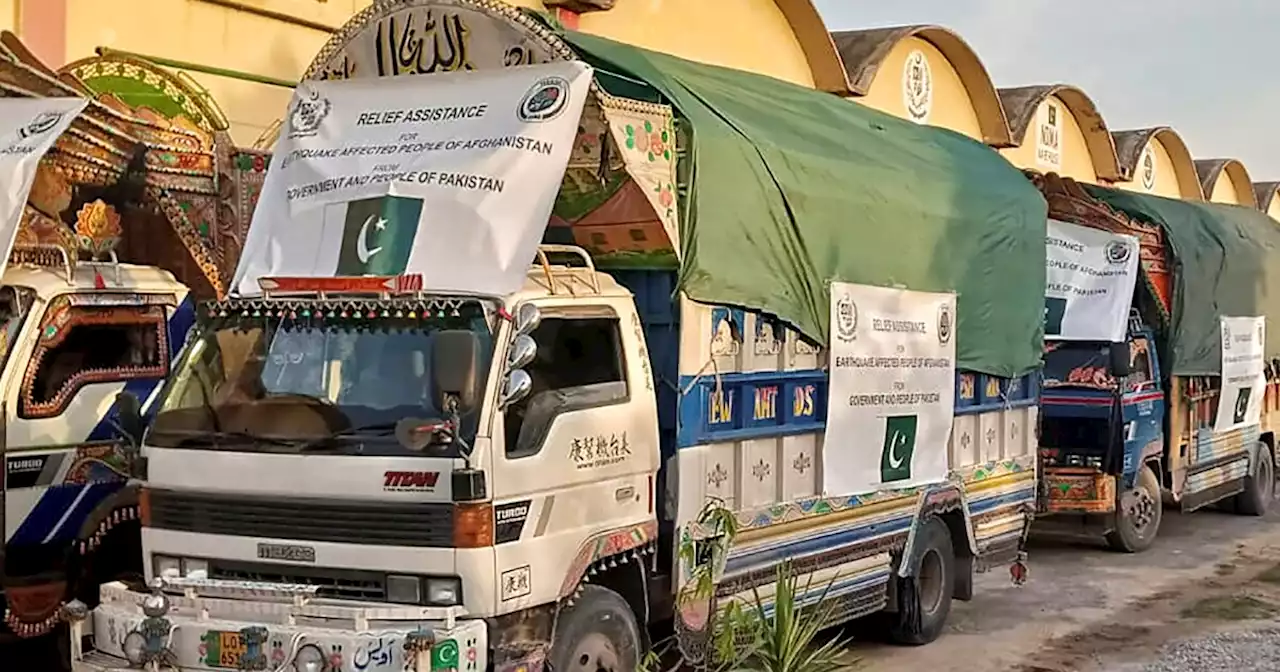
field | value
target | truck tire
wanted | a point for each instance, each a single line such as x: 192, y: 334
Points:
x: 924, y: 598
x: 1138, y: 522
x: 598, y: 633
x: 1260, y: 486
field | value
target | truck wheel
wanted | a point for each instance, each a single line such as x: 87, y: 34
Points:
x: 924, y: 598
x: 1138, y: 515
x: 597, y: 634
x: 1259, y: 487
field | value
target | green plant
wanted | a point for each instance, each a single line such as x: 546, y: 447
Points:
x: 786, y: 641
x: 745, y: 636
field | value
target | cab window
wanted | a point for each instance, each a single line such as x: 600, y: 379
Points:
x: 580, y: 364
x: 85, y: 345
x: 1140, y: 370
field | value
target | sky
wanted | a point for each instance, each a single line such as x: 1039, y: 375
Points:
x: 1211, y: 70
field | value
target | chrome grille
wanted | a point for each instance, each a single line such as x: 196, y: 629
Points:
x: 346, y: 584
x: 364, y: 523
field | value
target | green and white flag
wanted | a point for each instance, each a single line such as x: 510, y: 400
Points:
x: 448, y: 176
x: 892, y: 394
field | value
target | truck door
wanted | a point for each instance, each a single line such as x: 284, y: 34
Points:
x: 1144, y: 410
x: 575, y: 458
x: 58, y: 435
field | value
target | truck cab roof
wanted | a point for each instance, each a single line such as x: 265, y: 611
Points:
x: 50, y: 281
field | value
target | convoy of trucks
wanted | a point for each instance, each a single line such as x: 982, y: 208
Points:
x: 397, y: 445
x: 1130, y: 425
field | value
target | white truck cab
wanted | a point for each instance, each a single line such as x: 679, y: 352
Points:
x: 73, y: 335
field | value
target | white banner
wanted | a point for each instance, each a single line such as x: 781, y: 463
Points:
x: 892, y: 395
x: 450, y: 176
x: 1243, y: 377
x: 1089, y: 279
x: 28, y: 129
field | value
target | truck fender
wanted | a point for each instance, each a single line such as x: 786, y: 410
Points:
x: 119, y: 507
x: 604, y: 545
x: 946, y: 501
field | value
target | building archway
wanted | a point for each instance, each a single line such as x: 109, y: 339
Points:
x: 1268, y: 201
x: 927, y: 74
x: 1059, y: 129
x: 1226, y: 181
x: 784, y: 39
x: 1156, y: 161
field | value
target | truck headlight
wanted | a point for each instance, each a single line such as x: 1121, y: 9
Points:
x: 165, y: 567
x: 309, y: 659
x: 404, y: 589
x: 444, y: 592
x: 134, y: 646
x: 169, y: 567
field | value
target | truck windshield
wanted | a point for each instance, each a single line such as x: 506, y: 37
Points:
x: 285, y: 385
x: 1083, y: 365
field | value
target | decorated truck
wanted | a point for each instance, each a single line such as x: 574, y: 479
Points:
x: 92, y: 181
x: 760, y: 325
x: 1163, y: 390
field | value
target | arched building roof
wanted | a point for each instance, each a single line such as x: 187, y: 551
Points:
x: 1021, y: 103
x: 1132, y: 144
x: 863, y: 52
x: 1211, y: 173
x: 819, y: 49
x: 1265, y: 192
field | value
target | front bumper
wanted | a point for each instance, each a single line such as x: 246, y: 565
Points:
x: 263, y: 627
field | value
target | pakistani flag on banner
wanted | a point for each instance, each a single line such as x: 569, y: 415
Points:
x: 378, y: 234
x: 899, y: 447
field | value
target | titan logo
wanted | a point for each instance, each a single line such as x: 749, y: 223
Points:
x: 410, y: 480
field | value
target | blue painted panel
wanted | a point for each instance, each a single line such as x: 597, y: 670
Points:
x: 740, y: 406
x: 660, y: 317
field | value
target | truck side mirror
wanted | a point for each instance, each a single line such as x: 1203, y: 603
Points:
x: 129, y: 417
x: 455, y: 367
x: 519, y: 384
x: 528, y: 317
x: 523, y: 350
x: 1119, y: 356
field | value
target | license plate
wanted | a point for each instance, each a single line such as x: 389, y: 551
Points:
x: 223, y: 649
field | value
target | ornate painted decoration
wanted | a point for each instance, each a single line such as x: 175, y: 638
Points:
x: 144, y: 86
x: 98, y: 229
x: 59, y: 321
x: 141, y: 119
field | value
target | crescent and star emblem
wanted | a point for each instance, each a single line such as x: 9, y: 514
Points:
x: 362, y: 242
x: 897, y: 441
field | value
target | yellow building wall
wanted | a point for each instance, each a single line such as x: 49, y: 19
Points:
x: 1073, y: 151
x: 1225, y: 190
x: 207, y: 34
x: 952, y: 105
x: 9, y: 15
x: 1274, y: 209
x: 1166, y: 176
x: 750, y: 35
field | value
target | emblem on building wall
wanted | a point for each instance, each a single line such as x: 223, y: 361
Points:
x: 1049, y: 135
x: 917, y: 87
x: 1147, y: 168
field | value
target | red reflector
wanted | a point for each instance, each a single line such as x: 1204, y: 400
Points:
x: 373, y: 284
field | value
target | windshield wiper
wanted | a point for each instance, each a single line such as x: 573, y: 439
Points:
x: 326, y: 442
x: 198, y: 437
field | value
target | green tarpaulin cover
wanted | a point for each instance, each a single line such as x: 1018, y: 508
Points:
x: 791, y: 187
x: 1226, y: 263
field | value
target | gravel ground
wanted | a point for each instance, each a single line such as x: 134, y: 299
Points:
x: 1240, y: 651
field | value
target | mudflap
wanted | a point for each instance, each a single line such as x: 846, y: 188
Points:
x: 1019, y: 571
